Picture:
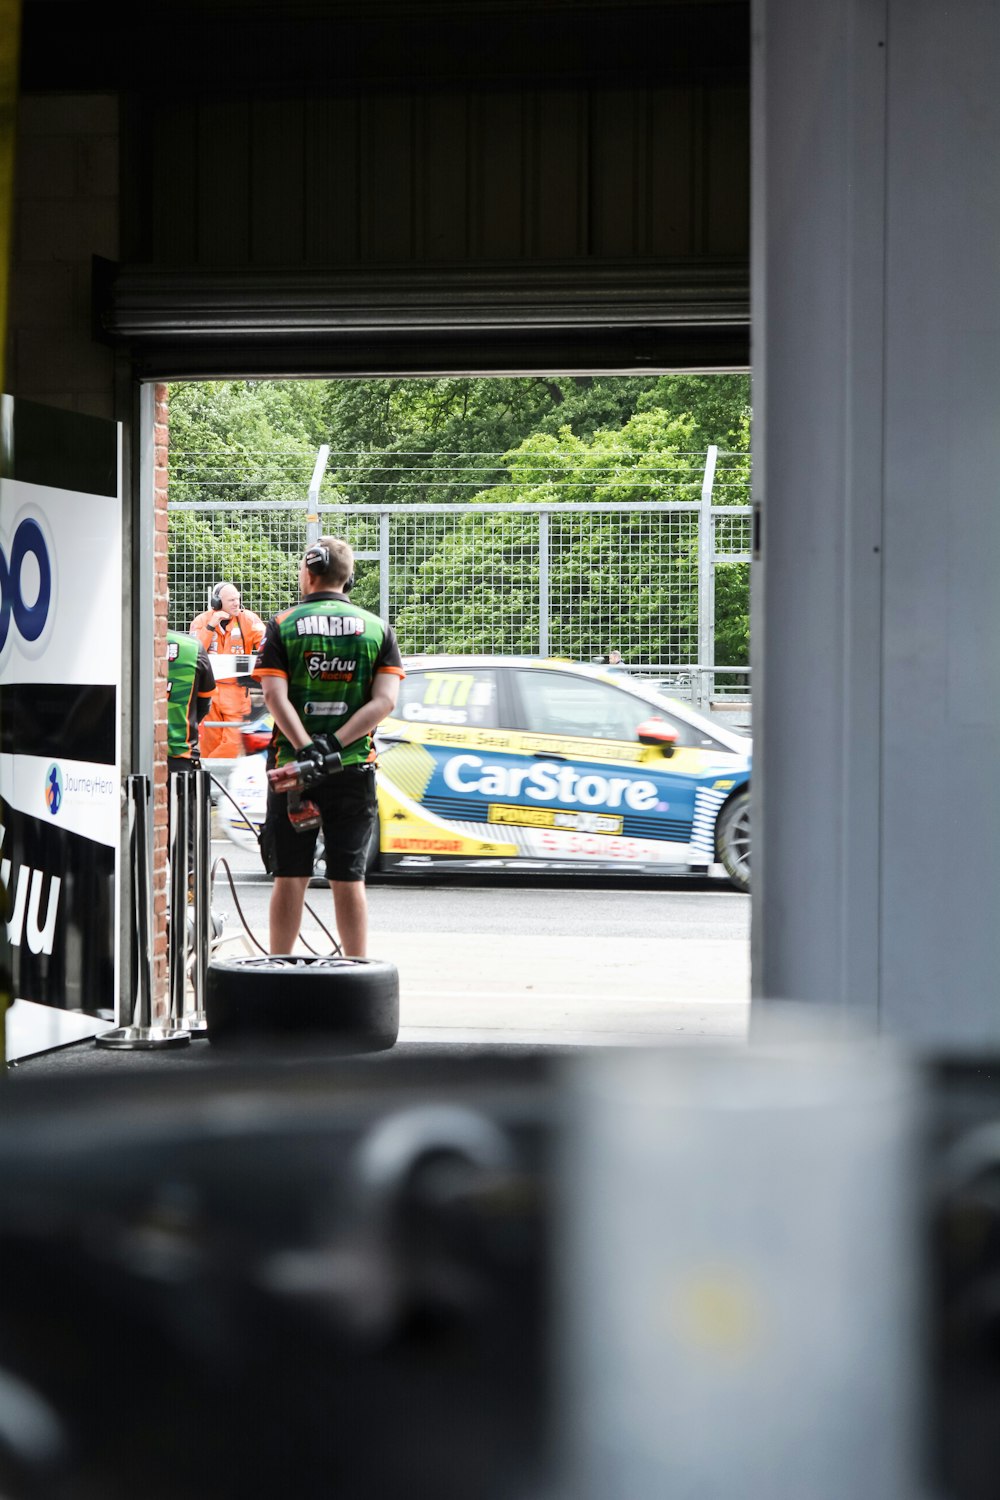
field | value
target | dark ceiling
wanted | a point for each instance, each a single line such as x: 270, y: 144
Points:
x: 69, y: 44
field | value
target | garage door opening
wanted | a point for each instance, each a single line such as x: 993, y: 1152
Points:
x: 508, y: 528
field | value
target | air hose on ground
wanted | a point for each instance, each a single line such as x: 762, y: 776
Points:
x: 224, y: 865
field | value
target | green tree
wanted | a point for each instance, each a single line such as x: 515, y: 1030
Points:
x: 651, y: 617
x: 718, y: 405
x: 606, y: 439
x: 246, y: 448
x: 245, y: 441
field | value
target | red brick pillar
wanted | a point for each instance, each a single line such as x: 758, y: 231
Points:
x: 161, y: 438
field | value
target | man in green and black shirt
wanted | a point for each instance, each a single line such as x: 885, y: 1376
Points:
x: 190, y: 685
x: 329, y: 669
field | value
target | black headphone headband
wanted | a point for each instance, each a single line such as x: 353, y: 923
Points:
x: 317, y: 560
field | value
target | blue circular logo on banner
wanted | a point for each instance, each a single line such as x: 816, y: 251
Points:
x: 53, y: 789
x: 29, y: 619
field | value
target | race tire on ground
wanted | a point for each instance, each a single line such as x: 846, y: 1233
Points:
x: 327, y: 1003
x: 732, y: 840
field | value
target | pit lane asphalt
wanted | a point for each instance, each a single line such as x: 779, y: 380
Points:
x: 513, y: 963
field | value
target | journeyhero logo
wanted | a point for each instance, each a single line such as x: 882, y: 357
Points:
x: 64, y: 789
x: 25, y: 584
x: 548, y: 781
x: 53, y: 789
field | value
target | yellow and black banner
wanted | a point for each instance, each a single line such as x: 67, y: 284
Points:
x: 10, y: 38
x: 10, y: 42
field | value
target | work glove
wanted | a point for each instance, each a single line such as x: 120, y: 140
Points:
x: 319, y: 748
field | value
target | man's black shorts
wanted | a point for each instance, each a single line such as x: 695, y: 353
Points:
x: 348, y: 807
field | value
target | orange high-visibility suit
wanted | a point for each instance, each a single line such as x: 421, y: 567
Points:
x: 225, y: 634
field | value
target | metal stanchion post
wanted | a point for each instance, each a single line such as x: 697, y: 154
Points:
x: 180, y: 875
x: 199, y: 839
x: 142, y: 1033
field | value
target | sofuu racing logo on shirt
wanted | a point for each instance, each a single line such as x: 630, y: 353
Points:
x: 328, y: 668
x: 330, y: 625
x: 548, y: 781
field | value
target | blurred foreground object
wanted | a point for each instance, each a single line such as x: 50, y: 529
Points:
x: 739, y: 1314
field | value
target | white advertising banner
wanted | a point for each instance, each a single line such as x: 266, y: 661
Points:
x: 60, y: 709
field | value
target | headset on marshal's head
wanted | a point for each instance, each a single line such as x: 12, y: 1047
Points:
x: 215, y: 598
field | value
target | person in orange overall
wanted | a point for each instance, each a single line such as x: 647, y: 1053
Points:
x: 226, y: 629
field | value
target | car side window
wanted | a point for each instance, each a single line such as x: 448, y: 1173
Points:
x: 559, y: 703
x: 461, y: 696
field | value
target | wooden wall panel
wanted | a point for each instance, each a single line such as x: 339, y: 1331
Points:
x: 442, y: 177
x: 386, y: 179
x: 277, y: 182
x: 332, y: 171
x: 671, y: 180
x: 497, y: 206
x: 558, y: 169
x: 223, y: 173
x: 174, y: 159
x: 727, y: 172
x: 453, y: 176
x: 618, y: 186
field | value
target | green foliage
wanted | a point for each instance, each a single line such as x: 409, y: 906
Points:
x: 654, y: 619
x: 202, y: 551
x: 616, y: 441
x: 718, y: 406
x: 244, y: 440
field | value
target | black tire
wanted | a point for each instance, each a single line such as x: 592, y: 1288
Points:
x: 732, y: 839
x: 322, y: 1003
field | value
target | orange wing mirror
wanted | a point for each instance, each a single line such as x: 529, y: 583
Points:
x: 657, y: 732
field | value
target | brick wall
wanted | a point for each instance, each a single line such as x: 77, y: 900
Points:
x: 161, y: 439
x: 65, y: 211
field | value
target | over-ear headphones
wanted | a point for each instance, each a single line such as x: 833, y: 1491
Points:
x: 215, y: 601
x: 317, y: 560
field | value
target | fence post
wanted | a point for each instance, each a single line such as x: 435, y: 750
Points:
x: 543, y: 583
x: 383, y: 564
x: 706, y: 585
x: 312, y: 507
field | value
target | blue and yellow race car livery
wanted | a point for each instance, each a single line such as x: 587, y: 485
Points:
x: 510, y: 762
x: 505, y: 760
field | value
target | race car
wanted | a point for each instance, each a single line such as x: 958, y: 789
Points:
x: 519, y: 763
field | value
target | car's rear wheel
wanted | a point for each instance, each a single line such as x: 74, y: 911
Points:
x: 338, y: 1004
x: 732, y: 840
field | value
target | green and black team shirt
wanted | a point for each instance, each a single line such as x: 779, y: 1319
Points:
x: 330, y: 651
x: 190, y: 685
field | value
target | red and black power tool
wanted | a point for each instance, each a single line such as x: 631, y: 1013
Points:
x: 316, y: 763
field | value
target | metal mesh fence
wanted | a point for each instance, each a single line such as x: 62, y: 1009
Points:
x: 575, y: 578
x: 256, y: 546
x: 732, y: 534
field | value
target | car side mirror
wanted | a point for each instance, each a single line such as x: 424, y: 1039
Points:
x: 657, y: 732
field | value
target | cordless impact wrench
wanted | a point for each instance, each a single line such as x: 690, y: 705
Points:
x: 316, y: 763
